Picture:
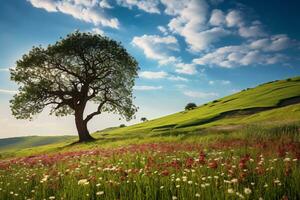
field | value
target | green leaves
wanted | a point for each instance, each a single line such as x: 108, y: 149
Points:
x: 79, y: 68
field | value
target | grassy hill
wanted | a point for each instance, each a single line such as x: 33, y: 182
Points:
x: 271, y: 104
x: 31, y: 141
x: 276, y: 101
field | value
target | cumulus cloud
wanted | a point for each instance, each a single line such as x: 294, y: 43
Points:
x: 153, y: 75
x: 97, y: 31
x: 200, y: 95
x: 163, y: 30
x: 159, y: 48
x: 156, y: 47
x: 190, y: 21
x: 147, y: 87
x: 48, y: 5
x: 105, y: 4
x: 150, y: 6
x: 273, y: 43
x: 160, y: 75
x: 85, y: 10
x: 185, y: 68
x: 234, y: 18
x: 235, y: 56
x: 251, y: 31
x: 217, y: 18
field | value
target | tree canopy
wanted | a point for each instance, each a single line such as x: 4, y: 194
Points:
x: 190, y: 106
x: 65, y: 76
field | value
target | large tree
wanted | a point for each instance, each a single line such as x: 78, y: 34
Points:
x: 78, y: 69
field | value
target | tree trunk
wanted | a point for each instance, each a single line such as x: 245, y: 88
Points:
x: 81, y: 126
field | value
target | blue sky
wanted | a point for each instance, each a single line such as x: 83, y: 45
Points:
x: 188, y: 51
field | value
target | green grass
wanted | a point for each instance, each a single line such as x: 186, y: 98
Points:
x: 267, y: 95
x: 31, y: 141
x: 257, y: 163
x: 248, y: 155
x: 205, y: 119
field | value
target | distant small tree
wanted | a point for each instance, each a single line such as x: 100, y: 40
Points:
x: 122, y: 125
x: 81, y: 68
x: 143, y: 119
x: 190, y: 106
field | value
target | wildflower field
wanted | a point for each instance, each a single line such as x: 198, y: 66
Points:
x: 252, y: 168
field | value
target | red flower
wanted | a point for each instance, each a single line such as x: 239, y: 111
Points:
x: 202, y: 157
x: 165, y: 173
x: 213, y: 165
x: 189, y: 162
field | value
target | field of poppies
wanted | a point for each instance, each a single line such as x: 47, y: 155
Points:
x: 224, y: 169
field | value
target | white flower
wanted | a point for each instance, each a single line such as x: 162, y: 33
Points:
x: 234, y: 180
x: 190, y: 182
x: 174, y: 197
x: 100, y: 193
x: 197, y: 195
x: 276, y: 181
x: 52, y: 197
x: 177, y: 179
x: 161, y: 187
x: 287, y: 160
x: 247, y: 190
x: 83, y: 182
x: 230, y: 191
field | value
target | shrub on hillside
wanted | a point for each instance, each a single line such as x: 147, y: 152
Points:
x: 190, y: 106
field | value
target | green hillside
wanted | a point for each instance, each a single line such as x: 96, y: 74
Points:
x: 270, y: 104
x: 31, y: 141
x: 277, y: 100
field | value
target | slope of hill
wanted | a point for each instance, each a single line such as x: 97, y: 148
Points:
x: 16, y: 143
x: 276, y: 100
x: 272, y: 103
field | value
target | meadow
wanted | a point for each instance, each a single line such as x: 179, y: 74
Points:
x: 243, y: 146
x: 255, y: 163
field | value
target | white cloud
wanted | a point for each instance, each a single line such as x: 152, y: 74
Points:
x: 173, y: 7
x: 105, y: 4
x: 239, y: 55
x: 85, y: 10
x: 48, y: 5
x: 222, y: 82
x: 163, y: 29
x: 185, y: 68
x: 3, y: 91
x: 190, y: 22
x: 150, y: 6
x: 200, y: 95
x: 160, y: 75
x: 147, y: 87
x: 225, y: 82
x: 156, y: 47
x: 273, y: 43
x: 153, y: 75
x: 97, y: 31
x: 217, y: 18
x: 177, y: 78
x: 159, y: 48
x: 251, y: 31
x: 234, y: 18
